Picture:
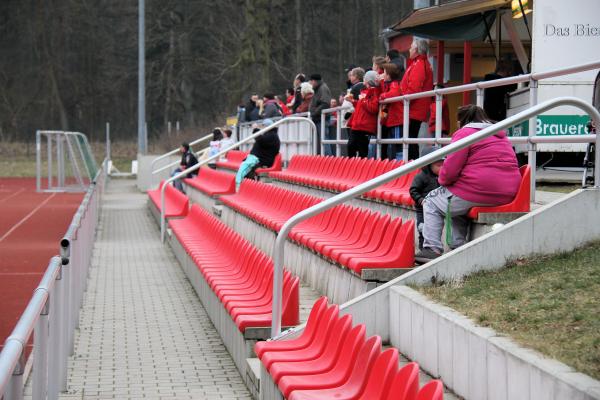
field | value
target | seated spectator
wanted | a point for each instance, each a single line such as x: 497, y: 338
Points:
x: 188, y: 160
x: 227, y: 141
x: 263, y: 153
x: 363, y: 122
x: 483, y: 174
x: 307, y: 93
x: 215, y: 146
x: 445, y: 115
x: 269, y: 107
x: 424, y: 182
x: 298, y: 80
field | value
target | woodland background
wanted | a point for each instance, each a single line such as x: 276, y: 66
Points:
x: 72, y: 64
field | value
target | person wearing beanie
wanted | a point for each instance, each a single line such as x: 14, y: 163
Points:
x: 363, y: 122
x: 319, y: 102
x: 423, y: 183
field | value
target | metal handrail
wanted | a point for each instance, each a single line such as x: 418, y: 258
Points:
x: 217, y: 156
x: 175, y: 151
x: 278, y: 256
x: 200, y: 153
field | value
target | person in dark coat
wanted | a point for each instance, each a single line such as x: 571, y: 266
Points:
x: 319, y: 102
x: 495, y: 98
x: 298, y: 80
x: 188, y: 160
x: 393, y: 56
x: 424, y: 182
x: 252, y: 111
x: 263, y: 153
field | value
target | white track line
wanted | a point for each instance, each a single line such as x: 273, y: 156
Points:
x: 25, y: 218
x: 12, y: 195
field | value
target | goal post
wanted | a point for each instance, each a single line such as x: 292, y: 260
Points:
x: 64, y: 162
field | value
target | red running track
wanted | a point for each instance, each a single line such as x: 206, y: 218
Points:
x: 31, y: 226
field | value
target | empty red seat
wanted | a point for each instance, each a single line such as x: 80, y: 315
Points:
x: 521, y: 202
x: 277, y: 165
x: 433, y: 390
x: 212, y: 182
x: 176, y: 203
x: 240, y: 275
x: 233, y: 159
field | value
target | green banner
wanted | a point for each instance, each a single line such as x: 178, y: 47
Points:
x: 553, y: 125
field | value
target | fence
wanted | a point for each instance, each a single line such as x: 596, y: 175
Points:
x: 52, y: 313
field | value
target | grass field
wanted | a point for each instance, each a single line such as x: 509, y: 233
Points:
x: 551, y: 304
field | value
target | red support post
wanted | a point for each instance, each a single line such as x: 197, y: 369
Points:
x: 439, y: 79
x: 467, y: 71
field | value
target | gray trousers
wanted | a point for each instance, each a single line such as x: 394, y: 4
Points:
x: 435, y: 207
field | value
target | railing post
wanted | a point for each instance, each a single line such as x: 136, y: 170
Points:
x: 38, y: 162
x: 532, y: 147
x: 40, y: 354
x: 438, y: 115
x: 322, y: 134
x: 377, y: 143
x: 65, y: 322
x: 14, y: 390
x: 479, y: 92
x: 54, y: 338
x: 338, y: 133
x: 405, y: 130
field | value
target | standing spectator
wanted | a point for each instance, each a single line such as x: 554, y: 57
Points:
x: 484, y: 174
x: 348, y: 72
x: 270, y: 108
x: 445, y: 115
x: 424, y: 182
x: 188, y: 160
x: 418, y: 78
x: 283, y: 108
x: 263, y: 153
x: 289, y: 96
x: 363, y: 122
x: 298, y: 81
x: 356, y: 78
x: 332, y: 125
x: 319, y: 102
x: 494, y: 99
x: 307, y: 94
x: 252, y: 111
x: 393, y: 56
x: 392, y: 114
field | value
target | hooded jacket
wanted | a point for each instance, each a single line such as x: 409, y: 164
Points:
x: 364, y: 117
x: 320, y: 101
x: 418, y: 78
x: 485, y: 172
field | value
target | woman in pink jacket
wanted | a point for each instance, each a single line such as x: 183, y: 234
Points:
x: 483, y: 174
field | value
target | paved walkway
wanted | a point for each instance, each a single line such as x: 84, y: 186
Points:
x: 143, y: 331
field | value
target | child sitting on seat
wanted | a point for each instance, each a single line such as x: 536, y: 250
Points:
x: 424, y: 182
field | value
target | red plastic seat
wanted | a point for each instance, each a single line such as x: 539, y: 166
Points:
x: 433, y: 390
x: 212, y: 182
x: 521, y: 202
x: 380, y: 378
x: 277, y: 165
x: 405, y: 384
x: 176, y: 203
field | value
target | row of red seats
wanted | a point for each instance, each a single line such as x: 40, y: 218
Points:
x: 333, y: 359
x: 212, y: 182
x: 343, y: 173
x: 353, y: 237
x: 177, y: 204
x: 234, y: 158
x: 240, y: 275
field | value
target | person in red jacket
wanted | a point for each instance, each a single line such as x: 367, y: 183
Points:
x: 417, y: 78
x: 363, y: 122
x: 445, y: 115
x: 392, y: 113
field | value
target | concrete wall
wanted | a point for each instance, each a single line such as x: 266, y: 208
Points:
x: 474, y: 362
x: 560, y: 226
x: 144, y: 175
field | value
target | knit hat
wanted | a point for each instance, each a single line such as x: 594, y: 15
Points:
x: 267, y: 122
x: 315, y: 77
x: 371, y: 78
x: 306, y: 88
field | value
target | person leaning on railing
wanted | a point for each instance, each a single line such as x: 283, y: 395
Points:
x: 484, y: 174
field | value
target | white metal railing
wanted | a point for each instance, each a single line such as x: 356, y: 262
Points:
x: 294, y: 140
x: 234, y: 146
x: 278, y: 256
x: 52, y: 313
x: 171, y: 153
x: 479, y: 88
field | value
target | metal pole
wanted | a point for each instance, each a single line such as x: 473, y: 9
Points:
x: 177, y: 127
x: 108, y: 143
x: 438, y: 115
x: 142, y: 135
x: 60, y: 161
x: 467, y: 71
x: 532, y: 147
x: 405, y: 129
x: 14, y: 390
x: 169, y: 128
x: 378, y: 154
x: 338, y: 134
x: 322, y: 133
x: 479, y: 92
x: 38, y: 162
x: 40, y: 355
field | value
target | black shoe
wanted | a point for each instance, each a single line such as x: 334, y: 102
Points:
x: 426, y: 255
